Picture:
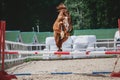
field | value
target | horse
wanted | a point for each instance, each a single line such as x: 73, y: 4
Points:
x: 62, y: 26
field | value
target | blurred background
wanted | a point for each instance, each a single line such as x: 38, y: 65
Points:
x: 28, y: 15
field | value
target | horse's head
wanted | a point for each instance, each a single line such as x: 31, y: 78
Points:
x: 62, y: 9
x: 61, y: 6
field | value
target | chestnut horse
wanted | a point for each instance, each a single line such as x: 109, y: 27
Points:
x: 62, y: 26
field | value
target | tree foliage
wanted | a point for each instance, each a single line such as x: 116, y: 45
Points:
x: 86, y: 14
x: 93, y: 14
x: 25, y: 14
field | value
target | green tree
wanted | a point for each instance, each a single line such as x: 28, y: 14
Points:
x: 94, y: 14
x: 79, y: 13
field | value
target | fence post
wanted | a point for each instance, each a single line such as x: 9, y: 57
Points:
x: 2, y: 42
x: 3, y: 75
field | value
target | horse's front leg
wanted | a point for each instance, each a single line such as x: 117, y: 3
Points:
x: 58, y: 41
x: 62, y: 34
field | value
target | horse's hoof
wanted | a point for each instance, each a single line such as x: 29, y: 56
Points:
x: 60, y: 50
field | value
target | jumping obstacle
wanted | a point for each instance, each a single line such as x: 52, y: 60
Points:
x: 3, y: 75
x: 112, y: 52
x: 101, y: 72
x: 112, y: 74
x: 61, y: 73
x: 115, y: 74
x: 61, y: 53
x: 52, y: 73
x: 23, y: 74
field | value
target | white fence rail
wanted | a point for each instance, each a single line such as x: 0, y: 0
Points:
x: 16, y: 53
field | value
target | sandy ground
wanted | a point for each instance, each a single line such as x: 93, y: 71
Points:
x: 81, y: 69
